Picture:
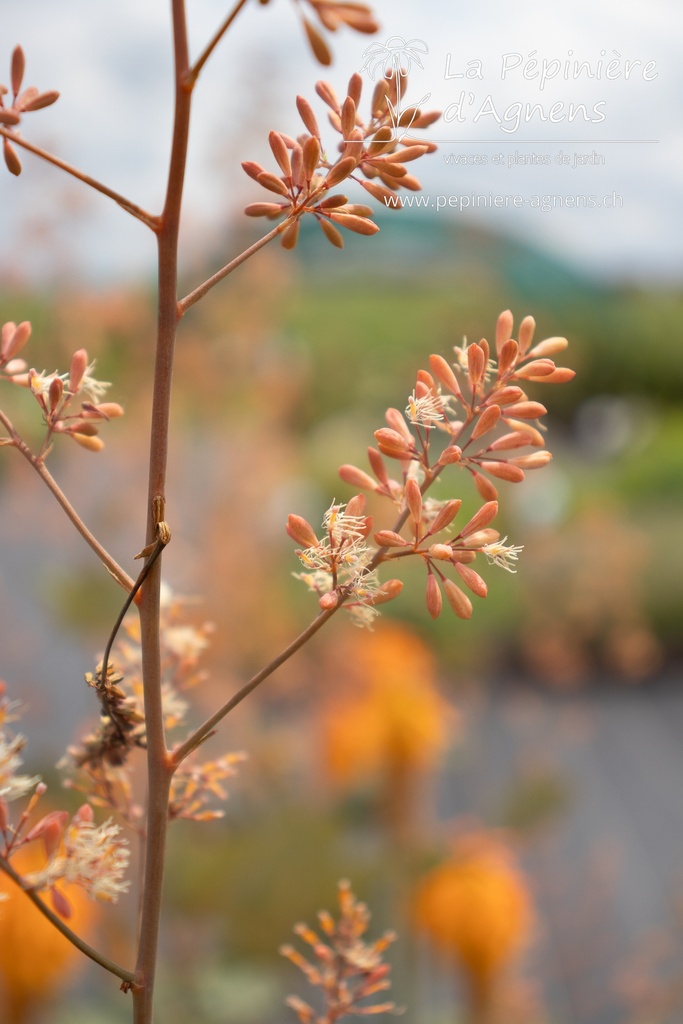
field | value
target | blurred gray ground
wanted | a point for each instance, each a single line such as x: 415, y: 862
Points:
x: 605, y: 865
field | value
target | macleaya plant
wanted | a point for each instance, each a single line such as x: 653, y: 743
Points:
x: 469, y: 412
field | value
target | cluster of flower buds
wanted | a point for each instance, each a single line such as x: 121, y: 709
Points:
x: 22, y: 103
x: 76, y: 851
x: 339, y: 566
x: 349, y: 971
x: 332, y: 14
x: 483, y: 422
x: 371, y: 153
x: 56, y: 393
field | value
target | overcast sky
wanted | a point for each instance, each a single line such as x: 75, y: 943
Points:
x: 111, y: 63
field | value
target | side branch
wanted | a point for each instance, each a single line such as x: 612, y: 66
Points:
x: 201, y: 291
x: 126, y: 976
x: 193, y: 73
x: 136, y: 211
x: 115, y: 570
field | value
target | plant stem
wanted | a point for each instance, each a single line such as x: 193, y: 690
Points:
x: 159, y: 770
x: 201, y: 291
x: 110, y: 564
x: 193, y: 73
x: 136, y: 211
x: 127, y: 976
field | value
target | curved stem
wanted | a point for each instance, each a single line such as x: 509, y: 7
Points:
x: 109, y: 563
x: 136, y: 211
x: 193, y: 73
x: 201, y: 291
x: 109, y: 965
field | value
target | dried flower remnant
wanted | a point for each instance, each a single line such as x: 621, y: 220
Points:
x: 348, y: 970
x: 23, y: 102
x: 369, y: 154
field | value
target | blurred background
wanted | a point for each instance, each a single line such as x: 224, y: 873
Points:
x: 504, y: 792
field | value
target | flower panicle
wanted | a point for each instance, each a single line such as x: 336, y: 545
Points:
x: 474, y: 414
x: 349, y: 971
x: 370, y: 152
x: 331, y: 15
x: 72, y: 403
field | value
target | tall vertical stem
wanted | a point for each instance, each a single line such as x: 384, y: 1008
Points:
x: 159, y: 769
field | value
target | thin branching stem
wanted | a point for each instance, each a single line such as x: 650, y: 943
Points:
x: 136, y: 211
x: 196, y: 68
x: 109, y: 965
x: 201, y: 291
x: 41, y: 469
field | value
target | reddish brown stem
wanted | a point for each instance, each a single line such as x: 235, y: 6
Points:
x: 125, y: 204
x: 194, y: 71
x: 158, y: 767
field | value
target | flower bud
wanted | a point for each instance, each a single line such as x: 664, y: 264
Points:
x: 536, y: 368
x: 55, y: 393
x: 526, y: 410
x: 328, y: 601
x: 536, y: 460
x: 450, y: 455
x: 504, y: 326
x: 79, y: 364
x: 389, y: 539
x: 357, y: 478
x: 487, y: 421
x: 301, y: 531
x: 472, y: 579
x: 459, y: 601
x: 504, y: 471
x: 413, y: 499
x: 476, y: 362
x: 486, y: 514
x: 549, y: 347
x: 433, y: 595
x: 355, y: 506
x: 393, y: 444
x: 507, y: 357
x: 307, y: 116
x: 484, y: 486
x: 445, y: 374
x: 445, y: 516
x: 387, y: 592
x: 442, y: 552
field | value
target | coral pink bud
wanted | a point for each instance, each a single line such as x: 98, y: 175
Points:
x: 272, y: 183
x: 444, y: 373
x: 385, y: 195
x: 79, y: 364
x: 360, y: 225
x: 44, y: 99
x: 280, y: 152
x: 49, y: 829
x: 340, y: 171
x: 561, y: 375
x: 486, y: 514
x: 348, y: 116
x: 84, y: 813
x: 504, y: 471
x: 357, y: 478
x: 425, y: 379
x: 290, y: 236
x: 396, y: 421
x: 307, y: 116
x: 413, y: 499
x: 14, y: 338
x: 526, y: 410
x: 55, y: 393
x: 472, y: 579
x: 504, y: 326
x: 60, y: 903
x: 533, y: 437
x: 355, y: 88
x: 486, y: 489
x: 536, y: 460
x: 387, y: 592
x: 393, y: 444
x: 442, y: 552
x: 508, y: 356
x: 301, y: 531
x: 476, y: 361
x: 389, y: 539
x: 459, y: 601
x: 109, y: 410
x: 355, y: 506
x: 378, y: 468
x: 507, y: 395
x: 433, y: 595
x: 536, y: 368
x: 265, y: 209
x: 11, y: 157
x: 253, y: 169
x: 514, y: 440
x: 328, y: 601
x: 331, y: 233
x: 450, y: 455
x: 445, y: 516
x: 464, y: 555
x: 549, y: 347
x: 327, y: 95
x: 487, y: 421
x: 526, y: 333
x: 482, y: 537
x: 17, y: 72
x: 311, y: 157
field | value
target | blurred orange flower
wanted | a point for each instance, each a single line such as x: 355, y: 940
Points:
x: 36, y: 959
x: 389, y: 711
x: 476, y: 907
